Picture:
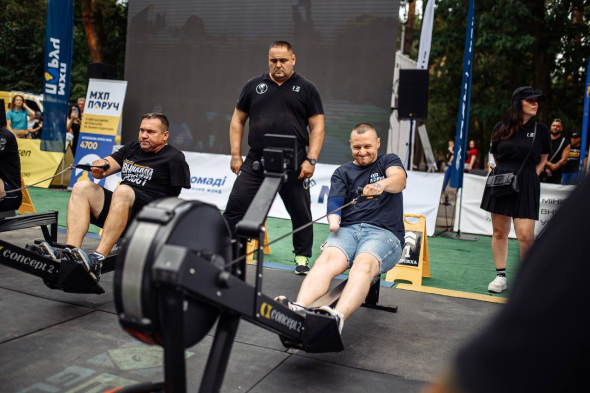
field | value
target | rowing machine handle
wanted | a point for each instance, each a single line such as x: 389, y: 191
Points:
x: 361, y: 197
x: 89, y: 167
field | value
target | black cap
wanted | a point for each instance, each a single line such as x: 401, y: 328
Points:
x: 527, y: 92
x: 576, y: 135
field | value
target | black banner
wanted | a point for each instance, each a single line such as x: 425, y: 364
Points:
x: 411, y: 251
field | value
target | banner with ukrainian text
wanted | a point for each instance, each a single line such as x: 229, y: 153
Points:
x: 463, y: 119
x: 100, y: 123
x: 59, y: 44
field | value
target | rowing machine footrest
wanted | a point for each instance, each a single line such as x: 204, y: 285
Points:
x: 74, y: 278
x: 320, y: 334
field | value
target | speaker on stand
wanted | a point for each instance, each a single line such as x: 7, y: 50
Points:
x: 412, y: 101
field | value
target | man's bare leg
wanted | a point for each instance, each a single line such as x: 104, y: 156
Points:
x: 121, y: 206
x: 2, y: 193
x: 86, y: 198
x: 364, y: 268
x: 331, y: 263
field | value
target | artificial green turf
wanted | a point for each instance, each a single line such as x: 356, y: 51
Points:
x: 454, y: 264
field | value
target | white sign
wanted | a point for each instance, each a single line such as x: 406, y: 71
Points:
x: 477, y: 221
x: 212, y: 181
x: 105, y: 97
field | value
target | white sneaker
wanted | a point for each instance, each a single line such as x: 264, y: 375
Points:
x: 292, y: 305
x: 338, y: 315
x: 498, y: 285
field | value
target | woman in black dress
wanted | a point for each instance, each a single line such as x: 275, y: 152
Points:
x: 511, y: 141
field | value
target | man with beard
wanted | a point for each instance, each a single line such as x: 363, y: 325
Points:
x: 560, y: 150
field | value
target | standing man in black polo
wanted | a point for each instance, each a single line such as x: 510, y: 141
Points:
x: 277, y: 102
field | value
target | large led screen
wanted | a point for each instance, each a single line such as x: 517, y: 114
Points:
x: 190, y: 59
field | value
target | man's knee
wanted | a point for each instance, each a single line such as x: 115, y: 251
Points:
x: 85, y: 188
x: 365, y: 263
x: 331, y: 258
x: 123, y: 194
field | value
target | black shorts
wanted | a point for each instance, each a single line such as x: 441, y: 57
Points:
x: 141, y: 200
x: 12, y: 200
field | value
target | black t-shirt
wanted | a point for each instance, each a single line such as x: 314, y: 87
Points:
x: 9, y: 159
x: 539, y: 342
x: 159, y: 175
x: 386, y: 212
x: 283, y: 110
x: 513, y: 151
x: 557, y: 148
x: 573, y: 161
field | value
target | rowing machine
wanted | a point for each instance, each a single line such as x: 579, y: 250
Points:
x: 176, y: 277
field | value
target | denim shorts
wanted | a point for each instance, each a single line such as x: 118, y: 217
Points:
x: 357, y: 238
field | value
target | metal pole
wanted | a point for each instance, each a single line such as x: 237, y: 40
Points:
x: 410, y: 145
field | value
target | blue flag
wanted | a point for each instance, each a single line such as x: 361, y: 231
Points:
x: 59, y: 45
x: 463, y: 120
x: 585, y: 121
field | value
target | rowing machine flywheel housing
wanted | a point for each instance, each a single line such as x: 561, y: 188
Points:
x: 194, y: 225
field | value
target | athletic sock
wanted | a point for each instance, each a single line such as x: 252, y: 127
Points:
x: 99, y: 256
x: 501, y: 272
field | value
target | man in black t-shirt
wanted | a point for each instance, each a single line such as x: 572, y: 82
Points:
x: 278, y: 102
x: 560, y: 150
x: 9, y: 171
x: 570, y: 171
x: 150, y: 168
x: 367, y: 237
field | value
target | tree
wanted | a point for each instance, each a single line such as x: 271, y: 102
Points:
x: 22, y: 42
x: 517, y: 43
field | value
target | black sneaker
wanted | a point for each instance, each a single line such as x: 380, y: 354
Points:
x: 301, y: 265
x: 92, y: 263
x: 48, y: 251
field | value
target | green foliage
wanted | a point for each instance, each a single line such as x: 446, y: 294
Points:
x: 22, y: 43
x: 509, y: 36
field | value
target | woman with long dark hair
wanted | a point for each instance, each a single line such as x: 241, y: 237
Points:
x: 512, y: 139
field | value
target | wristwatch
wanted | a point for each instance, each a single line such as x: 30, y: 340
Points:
x: 311, y: 160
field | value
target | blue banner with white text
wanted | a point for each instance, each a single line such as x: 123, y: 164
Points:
x: 463, y: 120
x: 59, y: 44
x: 584, y: 143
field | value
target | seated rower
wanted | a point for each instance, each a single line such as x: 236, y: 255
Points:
x: 9, y: 171
x: 367, y: 237
x: 150, y: 170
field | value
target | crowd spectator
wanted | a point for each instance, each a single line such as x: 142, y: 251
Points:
x: 471, y: 159
x: 513, y: 139
x: 570, y: 170
x: 17, y: 117
x: 73, y: 126
x: 35, y: 126
x: 560, y: 150
x: 449, y: 158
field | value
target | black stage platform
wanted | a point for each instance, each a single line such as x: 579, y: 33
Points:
x: 52, y: 341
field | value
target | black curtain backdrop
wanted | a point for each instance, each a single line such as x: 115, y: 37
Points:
x: 190, y: 60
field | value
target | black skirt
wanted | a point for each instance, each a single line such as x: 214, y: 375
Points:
x: 524, y: 204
